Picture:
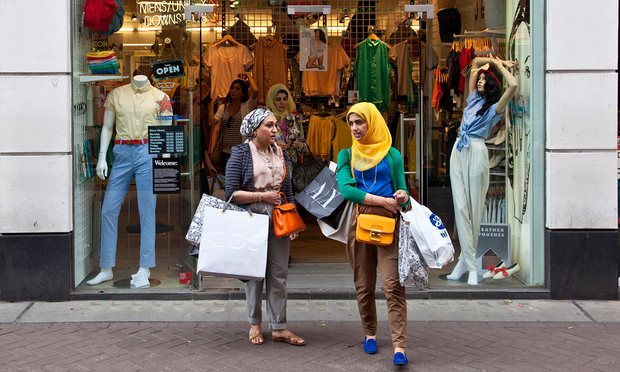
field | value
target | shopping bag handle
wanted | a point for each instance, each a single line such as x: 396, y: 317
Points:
x: 228, y: 202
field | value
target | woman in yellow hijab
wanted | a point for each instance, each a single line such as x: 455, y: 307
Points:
x: 371, y: 174
x: 290, y: 131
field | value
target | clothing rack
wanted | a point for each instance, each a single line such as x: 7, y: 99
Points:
x: 495, y: 37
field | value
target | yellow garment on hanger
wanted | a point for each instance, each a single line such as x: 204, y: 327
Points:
x: 342, y: 138
x: 320, y: 135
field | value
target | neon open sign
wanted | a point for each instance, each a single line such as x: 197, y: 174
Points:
x: 171, y: 12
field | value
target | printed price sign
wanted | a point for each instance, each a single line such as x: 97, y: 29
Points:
x: 166, y: 139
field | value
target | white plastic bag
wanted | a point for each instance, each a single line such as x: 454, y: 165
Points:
x: 430, y: 235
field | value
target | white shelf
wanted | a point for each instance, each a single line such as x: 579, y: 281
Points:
x: 94, y: 78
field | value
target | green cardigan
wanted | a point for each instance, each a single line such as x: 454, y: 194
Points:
x: 348, y: 185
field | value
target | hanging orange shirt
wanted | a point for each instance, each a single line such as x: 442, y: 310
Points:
x: 226, y: 63
x: 326, y: 83
x: 270, y: 65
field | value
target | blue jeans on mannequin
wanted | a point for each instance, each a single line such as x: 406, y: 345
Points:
x: 129, y: 161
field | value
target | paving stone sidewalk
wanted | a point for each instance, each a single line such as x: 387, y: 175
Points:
x: 73, y: 340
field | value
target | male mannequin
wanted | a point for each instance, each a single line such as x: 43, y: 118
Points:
x: 131, y: 108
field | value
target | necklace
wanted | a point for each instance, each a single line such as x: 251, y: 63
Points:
x: 268, y: 161
x: 266, y: 158
x: 373, y: 182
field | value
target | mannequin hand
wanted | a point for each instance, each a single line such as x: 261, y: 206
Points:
x: 271, y: 197
x: 401, y: 196
x: 510, y: 64
x: 102, y: 168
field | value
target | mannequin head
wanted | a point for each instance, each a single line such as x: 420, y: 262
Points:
x: 488, y: 87
x: 144, y: 70
x: 140, y: 80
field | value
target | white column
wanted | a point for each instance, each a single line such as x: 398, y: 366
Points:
x: 581, y: 114
x: 35, y: 124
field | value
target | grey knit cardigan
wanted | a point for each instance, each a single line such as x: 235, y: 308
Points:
x: 240, y: 172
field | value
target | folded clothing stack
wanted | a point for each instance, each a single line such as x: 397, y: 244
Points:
x: 104, y: 62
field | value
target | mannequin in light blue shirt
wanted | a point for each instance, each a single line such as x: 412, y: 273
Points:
x: 469, y: 161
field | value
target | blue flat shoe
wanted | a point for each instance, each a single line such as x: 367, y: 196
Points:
x: 400, y: 359
x: 370, y: 345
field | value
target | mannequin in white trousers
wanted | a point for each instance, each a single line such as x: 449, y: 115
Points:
x: 469, y: 161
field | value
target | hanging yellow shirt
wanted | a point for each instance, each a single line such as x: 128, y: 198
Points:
x: 320, y: 135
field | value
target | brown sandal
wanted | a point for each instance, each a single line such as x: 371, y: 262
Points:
x: 291, y: 339
x: 256, y: 337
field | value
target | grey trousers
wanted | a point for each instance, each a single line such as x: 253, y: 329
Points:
x: 278, y: 250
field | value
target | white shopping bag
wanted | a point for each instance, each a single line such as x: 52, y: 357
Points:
x: 233, y: 244
x: 195, y: 228
x: 430, y: 235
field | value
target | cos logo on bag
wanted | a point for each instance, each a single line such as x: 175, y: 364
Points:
x: 235, y: 241
x: 436, y: 221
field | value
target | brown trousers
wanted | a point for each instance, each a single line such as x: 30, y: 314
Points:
x: 364, y: 260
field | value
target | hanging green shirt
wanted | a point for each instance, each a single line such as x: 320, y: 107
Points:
x: 372, y: 73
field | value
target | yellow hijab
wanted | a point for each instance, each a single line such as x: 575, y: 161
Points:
x: 374, y: 146
x: 270, y: 101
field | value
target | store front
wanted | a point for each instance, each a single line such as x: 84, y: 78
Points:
x: 538, y: 212
x: 423, y: 107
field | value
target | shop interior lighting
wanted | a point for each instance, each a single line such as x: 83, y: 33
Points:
x: 424, y: 8
x: 325, y: 9
x: 200, y: 9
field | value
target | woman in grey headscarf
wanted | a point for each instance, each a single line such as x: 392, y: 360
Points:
x: 254, y: 174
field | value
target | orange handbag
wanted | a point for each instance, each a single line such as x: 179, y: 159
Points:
x: 286, y: 220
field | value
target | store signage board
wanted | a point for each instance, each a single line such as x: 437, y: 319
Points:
x: 172, y: 12
x: 167, y: 69
x: 494, y: 237
x: 167, y: 176
x: 166, y: 139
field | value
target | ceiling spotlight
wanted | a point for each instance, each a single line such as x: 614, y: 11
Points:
x: 134, y: 17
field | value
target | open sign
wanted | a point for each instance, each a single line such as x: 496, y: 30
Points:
x: 167, y: 69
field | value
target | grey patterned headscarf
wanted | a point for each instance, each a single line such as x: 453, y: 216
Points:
x: 252, y: 121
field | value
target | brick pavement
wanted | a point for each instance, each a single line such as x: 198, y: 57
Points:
x: 331, y: 346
